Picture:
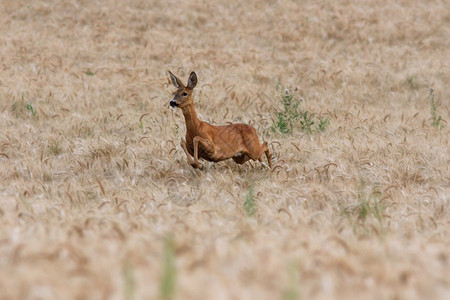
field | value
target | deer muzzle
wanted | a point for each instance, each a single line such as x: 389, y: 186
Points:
x: 173, y: 103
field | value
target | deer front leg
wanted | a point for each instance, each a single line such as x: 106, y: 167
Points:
x: 206, y: 145
x: 188, y: 155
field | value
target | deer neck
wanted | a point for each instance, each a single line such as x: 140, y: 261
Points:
x: 192, y: 121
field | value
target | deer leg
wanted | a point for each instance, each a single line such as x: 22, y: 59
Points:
x: 188, y: 155
x: 257, y: 154
x: 206, y: 145
x: 265, y: 148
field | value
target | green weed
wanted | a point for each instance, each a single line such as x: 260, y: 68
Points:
x: 281, y: 123
x: 129, y: 281
x: 19, y: 108
x: 369, y: 206
x: 292, y: 292
x: 437, y: 119
x: 167, y: 287
x: 292, y: 117
x: 411, y: 82
x: 323, y: 124
x: 31, y: 109
x: 54, y: 147
x: 249, y: 203
x: 290, y: 114
x: 306, y: 122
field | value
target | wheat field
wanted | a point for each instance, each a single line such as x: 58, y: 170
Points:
x: 97, y: 200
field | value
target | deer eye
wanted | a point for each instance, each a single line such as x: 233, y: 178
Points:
x: 184, y: 94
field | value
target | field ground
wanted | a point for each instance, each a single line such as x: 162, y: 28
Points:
x: 97, y: 200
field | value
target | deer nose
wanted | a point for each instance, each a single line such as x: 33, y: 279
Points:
x: 173, y: 103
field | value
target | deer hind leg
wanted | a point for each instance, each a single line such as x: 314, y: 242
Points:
x: 265, y: 148
x: 257, y: 155
x: 206, y: 145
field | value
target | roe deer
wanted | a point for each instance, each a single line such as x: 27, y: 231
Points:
x: 214, y: 143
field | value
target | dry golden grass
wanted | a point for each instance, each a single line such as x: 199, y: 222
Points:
x: 97, y: 200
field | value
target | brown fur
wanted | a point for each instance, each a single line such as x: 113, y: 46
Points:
x: 214, y: 143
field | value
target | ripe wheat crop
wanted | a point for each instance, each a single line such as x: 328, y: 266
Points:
x: 97, y: 200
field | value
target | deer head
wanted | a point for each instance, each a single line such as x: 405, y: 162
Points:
x: 183, y: 94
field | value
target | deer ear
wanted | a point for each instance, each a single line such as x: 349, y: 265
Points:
x: 192, y: 81
x: 175, y: 81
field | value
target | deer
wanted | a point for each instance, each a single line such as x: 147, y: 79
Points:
x: 212, y: 143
